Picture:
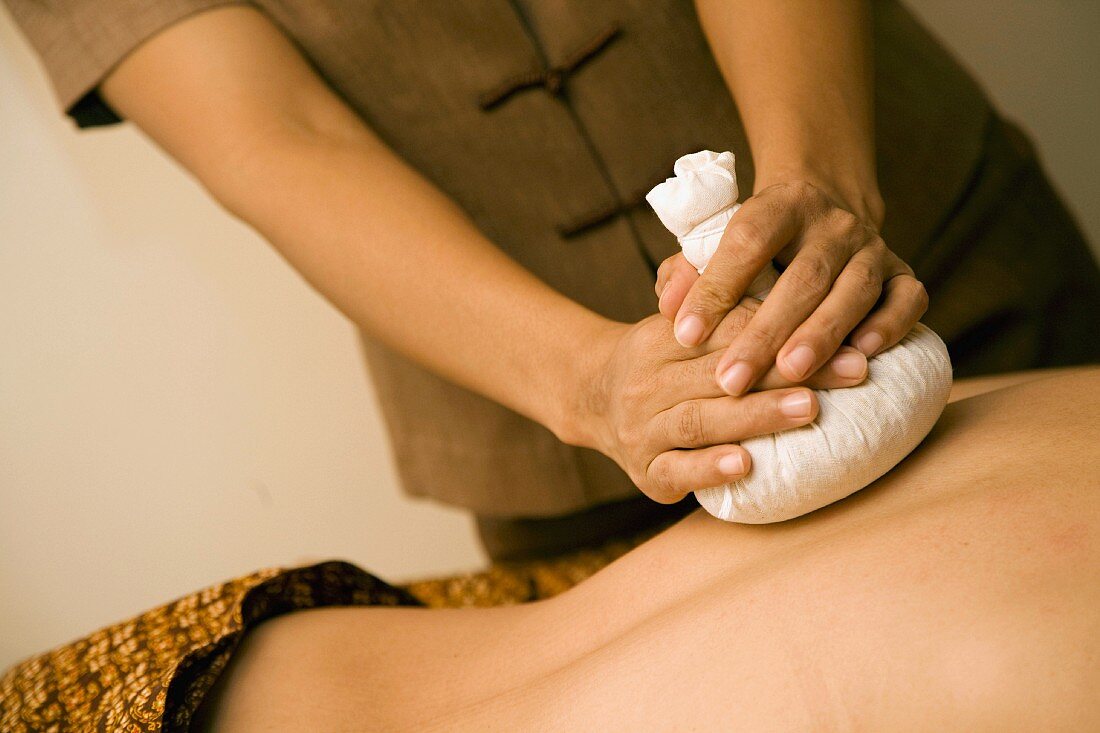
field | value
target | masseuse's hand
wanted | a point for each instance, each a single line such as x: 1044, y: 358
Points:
x: 655, y: 408
x: 841, y: 283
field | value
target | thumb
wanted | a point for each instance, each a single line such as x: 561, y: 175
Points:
x: 674, y: 279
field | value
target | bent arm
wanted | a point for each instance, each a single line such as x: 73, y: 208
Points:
x: 227, y: 95
x: 801, y: 73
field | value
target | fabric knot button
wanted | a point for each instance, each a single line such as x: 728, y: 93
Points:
x: 551, y: 79
x: 555, y: 80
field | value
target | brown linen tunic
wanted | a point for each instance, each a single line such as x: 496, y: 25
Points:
x: 547, y: 121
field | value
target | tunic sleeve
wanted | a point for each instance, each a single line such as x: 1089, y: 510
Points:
x: 81, y: 41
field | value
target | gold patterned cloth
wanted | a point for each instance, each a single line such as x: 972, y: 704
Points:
x: 151, y: 673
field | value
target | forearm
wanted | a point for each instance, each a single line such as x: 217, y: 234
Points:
x: 801, y: 73
x: 408, y: 267
x: 232, y: 99
x: 228, y: 96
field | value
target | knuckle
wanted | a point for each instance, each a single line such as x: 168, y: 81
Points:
x: 890, y: 263
x: 775, y: 190
x: 636, y: 390
x: 741, y: 313
x: 708, y: 294
x: 745, y: 235
x: 749, y: 305
x: 827, y: 336
x: 920, y: 293
x: 775, y: 207
x: 629, y: 432
x: 661, y: 481
x: 759, y: 416
x: 845, y: 222
x: 706, y: 369
x: 734, y: 322
x: 630, y: 441
x: 629, y: 437
x: 823, y: 335
x: 744, y: 311
x: 877, y: 245
x: 802, y: 191
x: 752, y: 342
x: 864, y: 278
x: 809, y: 275
x: 833, y: 337
x: 690, y: 429
x: 757, y: 337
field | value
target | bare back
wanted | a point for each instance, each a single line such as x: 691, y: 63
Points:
x: 960, y: 591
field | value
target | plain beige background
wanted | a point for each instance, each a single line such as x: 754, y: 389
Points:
x: 177, y: 407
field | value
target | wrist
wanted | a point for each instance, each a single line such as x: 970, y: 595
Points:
x: 580, y: 400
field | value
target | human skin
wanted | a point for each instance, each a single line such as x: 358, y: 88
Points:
x: 959, y: 592
x: 229, y: 97
x: 801, y: 73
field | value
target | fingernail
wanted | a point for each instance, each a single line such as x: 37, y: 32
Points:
x: 796, y: 404
x: 869, y: 342
x: 735, y: 379
x: 689, y: 330
x: 800, y: 360
x: 732, y: 464
x: 849, y: 365
x: 661, y: 298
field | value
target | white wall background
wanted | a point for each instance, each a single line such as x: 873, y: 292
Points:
x: 177, y: 407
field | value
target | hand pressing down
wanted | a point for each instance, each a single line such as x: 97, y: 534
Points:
x: 655, y: 408
x: 841, y: 284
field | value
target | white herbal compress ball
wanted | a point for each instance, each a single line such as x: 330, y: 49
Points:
x: 860, y: 433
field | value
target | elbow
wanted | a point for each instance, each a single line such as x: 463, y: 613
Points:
x: 276, y: 160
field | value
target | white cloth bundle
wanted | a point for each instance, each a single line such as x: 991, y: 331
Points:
x: 860, y: 433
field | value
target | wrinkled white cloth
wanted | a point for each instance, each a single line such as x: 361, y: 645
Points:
x: 860, y: 432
